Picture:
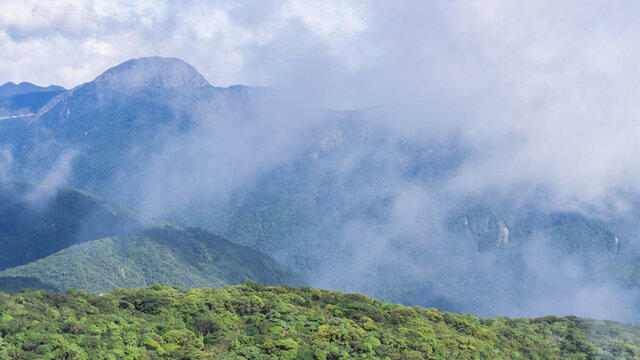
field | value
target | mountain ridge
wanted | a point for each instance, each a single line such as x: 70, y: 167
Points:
x: 157, y: 255
x: 10, y: 88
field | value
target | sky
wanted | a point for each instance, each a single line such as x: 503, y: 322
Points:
x: 71, y: 42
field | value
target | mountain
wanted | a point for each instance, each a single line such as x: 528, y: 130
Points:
x: 23, y: 105
x: 161, y: 255
x: 54, y: 238
x: 10, y: 89
x: 112, y: 122
x: 344, y: 195
x: 336, y: 208
x: 153, y: 73
x: 37, y: 221
x: 25, y: 98
x: 142, y: 78
x: 252, y: 321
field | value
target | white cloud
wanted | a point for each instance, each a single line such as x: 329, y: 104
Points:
x: 542, y: 91
x: 80, y: 39
x: 27, y: 19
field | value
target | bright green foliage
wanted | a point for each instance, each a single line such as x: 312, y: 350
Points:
x: 252, y: 321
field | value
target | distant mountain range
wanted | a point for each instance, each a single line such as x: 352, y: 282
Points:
x: 340, y: 208
x: 25, y: 98
x: 10, y: 89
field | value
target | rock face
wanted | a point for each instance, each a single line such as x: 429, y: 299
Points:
x: 503, y: 234
x: 486, y: 231
x: 153, y: 72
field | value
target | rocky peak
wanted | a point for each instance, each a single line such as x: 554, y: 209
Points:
x: 153, y: 72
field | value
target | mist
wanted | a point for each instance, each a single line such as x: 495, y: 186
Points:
x: 54, y: 179
x: 381, y: 131
x: 537, y: 107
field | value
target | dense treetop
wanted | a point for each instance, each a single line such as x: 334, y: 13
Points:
x: 252, y: 321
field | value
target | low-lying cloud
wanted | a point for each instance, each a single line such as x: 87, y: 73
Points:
x: 539, y: 100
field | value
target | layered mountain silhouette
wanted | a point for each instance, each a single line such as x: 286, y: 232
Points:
x: 36, y: 221
x: 56, y: 239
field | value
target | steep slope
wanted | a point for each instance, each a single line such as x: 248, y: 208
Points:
x: 186, y: 258
x: 37, y: 221
x: 257, y: 322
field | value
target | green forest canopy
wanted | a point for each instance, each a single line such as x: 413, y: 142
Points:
x: 252, y: 321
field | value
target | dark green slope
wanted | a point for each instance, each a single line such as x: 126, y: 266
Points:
x: 36, y: 221
x: 186, y: 258
x: 256, y: 322
x: 13, y: 284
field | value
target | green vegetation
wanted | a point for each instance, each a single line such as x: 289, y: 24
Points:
x: 252, y: 321
x: 13, y: 284
x: 72, y: 239
x: 186, y: 258
x: 35, y: 223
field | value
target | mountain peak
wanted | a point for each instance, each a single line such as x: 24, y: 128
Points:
x: 155, y: 72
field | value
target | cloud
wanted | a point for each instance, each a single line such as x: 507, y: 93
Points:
x: 6, y: 161
x: 540, y: 96
x: 562, y: 285
x: 52, y: 181
x: 221, y: 39
x: 23, y: 20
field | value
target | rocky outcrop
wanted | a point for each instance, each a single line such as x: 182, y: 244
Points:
x: 503, y: 234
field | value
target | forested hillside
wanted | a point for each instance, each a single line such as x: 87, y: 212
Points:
x: 39, y: 220
x: 159, y: 255
x: 252, y: 321
x: 58, y: 238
